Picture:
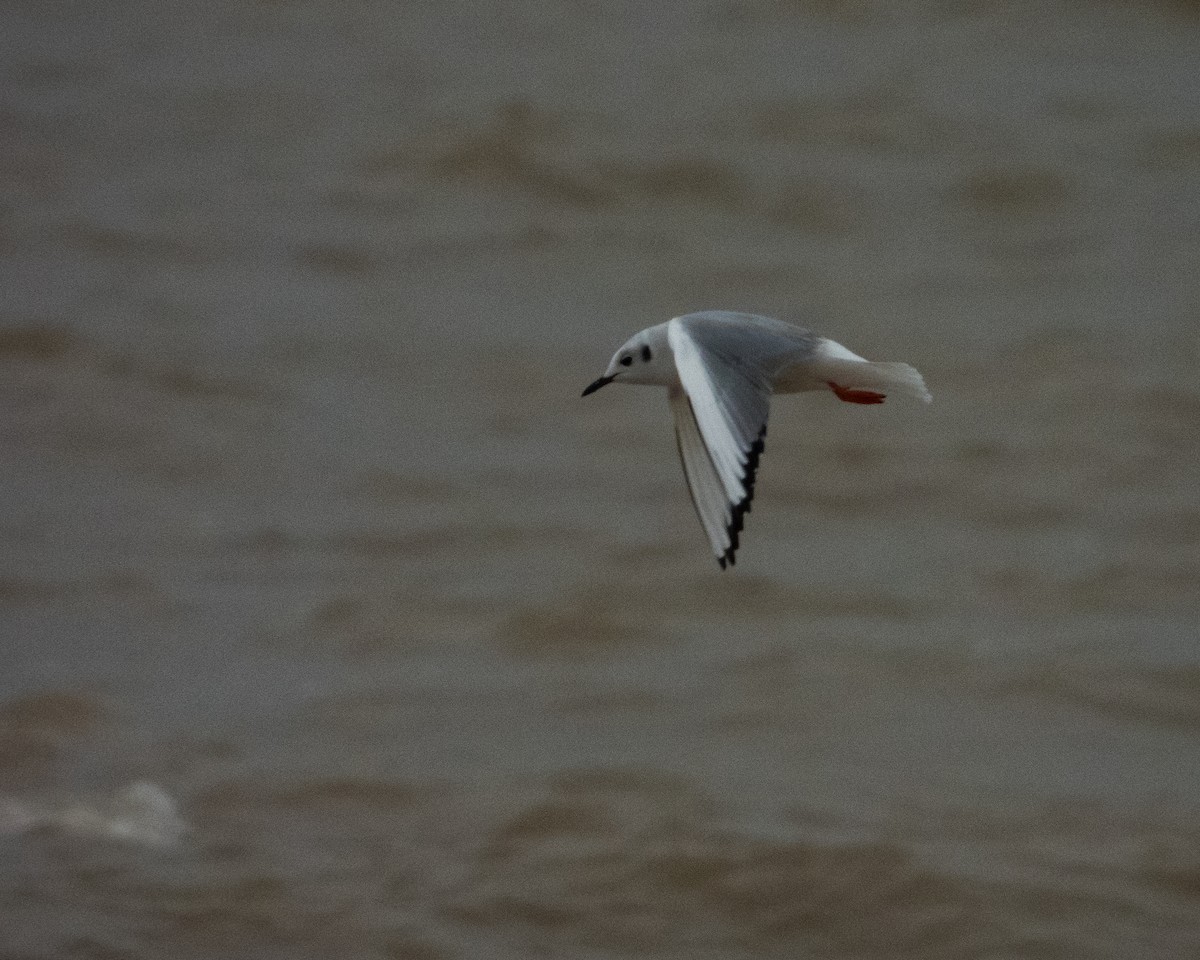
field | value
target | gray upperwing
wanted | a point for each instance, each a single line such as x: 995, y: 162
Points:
x: 722, y: 412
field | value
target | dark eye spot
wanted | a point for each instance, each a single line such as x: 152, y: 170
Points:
x: 626, y: 361
x: 645, y: 354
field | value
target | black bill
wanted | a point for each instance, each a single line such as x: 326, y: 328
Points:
x: 592, y: 388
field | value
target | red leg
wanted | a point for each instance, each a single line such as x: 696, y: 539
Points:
x: 850, y: 395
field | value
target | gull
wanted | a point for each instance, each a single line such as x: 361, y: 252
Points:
x: 720, y: 369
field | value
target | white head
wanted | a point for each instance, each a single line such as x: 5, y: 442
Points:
x: 645, y: 357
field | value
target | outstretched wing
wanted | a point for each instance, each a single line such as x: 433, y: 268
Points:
x: 720, y: 425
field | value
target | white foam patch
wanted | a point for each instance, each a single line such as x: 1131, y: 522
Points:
x: 141, y: 813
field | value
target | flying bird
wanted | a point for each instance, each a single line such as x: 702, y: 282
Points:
x: 720, y: 369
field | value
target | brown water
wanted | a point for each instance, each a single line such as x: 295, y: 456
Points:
x: 311, y: 545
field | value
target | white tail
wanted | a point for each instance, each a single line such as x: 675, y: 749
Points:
x: 889, y: 378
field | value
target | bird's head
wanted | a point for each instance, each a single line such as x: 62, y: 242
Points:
x: 644, y: 358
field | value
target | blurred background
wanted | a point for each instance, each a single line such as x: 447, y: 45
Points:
x: 335, y: 624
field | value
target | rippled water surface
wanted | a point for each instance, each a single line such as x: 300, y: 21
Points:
x: 336, y: 624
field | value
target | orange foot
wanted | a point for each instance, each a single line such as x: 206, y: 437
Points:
x: 851, y: 395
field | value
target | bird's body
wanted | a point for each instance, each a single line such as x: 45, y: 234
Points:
x: 720, y: 369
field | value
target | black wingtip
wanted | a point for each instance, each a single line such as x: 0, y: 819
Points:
x: 738, y: 518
